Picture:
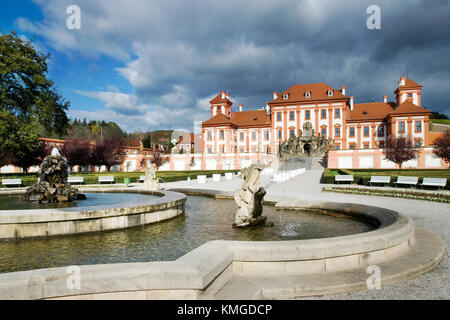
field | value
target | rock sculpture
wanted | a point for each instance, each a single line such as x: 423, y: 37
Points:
x: 305, y: 144
x: 151, y: 182
x: 249, y: 199
x: 53, y: 186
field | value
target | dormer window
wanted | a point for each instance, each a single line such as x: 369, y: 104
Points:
x: 308, y: 94
x: 285, y: 96
x: 330, y: 93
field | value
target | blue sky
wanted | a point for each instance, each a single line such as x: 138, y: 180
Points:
x: 155, y: 64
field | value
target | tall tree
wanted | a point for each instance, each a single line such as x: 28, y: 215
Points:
x: 157, y: 158
x: 29, y: 103
x: 108, y: 152
x: 442, y: 147
x: 399, y: 150
x: 77, y: 152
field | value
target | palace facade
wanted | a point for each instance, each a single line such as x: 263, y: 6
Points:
x: 331, y: 113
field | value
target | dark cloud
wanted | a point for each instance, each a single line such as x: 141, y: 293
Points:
x: 191, y: 50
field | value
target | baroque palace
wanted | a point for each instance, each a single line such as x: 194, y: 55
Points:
x: 355, y: 132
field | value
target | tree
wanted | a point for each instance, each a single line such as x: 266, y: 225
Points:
x: 108, y: 152
x: 157, y: 158
x: 77, y: 152
x: 29, y: 103
x: 442, y: 147
x: 399, y: 150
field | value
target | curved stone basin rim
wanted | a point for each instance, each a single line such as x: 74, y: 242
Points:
x: 199, y: 268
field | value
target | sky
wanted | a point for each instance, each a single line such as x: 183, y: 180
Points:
x: 155, y: 64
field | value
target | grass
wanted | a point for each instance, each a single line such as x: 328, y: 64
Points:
x: 440, y: 121
x: 92, y: 177
x: 362, y: 176
x: 437, y: 197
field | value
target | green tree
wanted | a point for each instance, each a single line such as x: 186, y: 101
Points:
x: 29, y: 103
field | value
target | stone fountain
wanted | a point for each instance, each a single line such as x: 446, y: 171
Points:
x: 53, y: 186
x: 249, y: 199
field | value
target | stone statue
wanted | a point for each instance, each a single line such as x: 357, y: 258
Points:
x: 249, y: 199
x: 151, y: 182
x: 53, y: 186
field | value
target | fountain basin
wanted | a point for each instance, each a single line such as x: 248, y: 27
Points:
x: 205, y: 271
x: 18, y: 224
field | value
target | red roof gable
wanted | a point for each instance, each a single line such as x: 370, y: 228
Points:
x: 252, y: 118
x: 318, y: 91
x: 408, y: 107
x: 218, y: 99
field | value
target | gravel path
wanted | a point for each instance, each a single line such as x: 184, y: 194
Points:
x: 433, y: 216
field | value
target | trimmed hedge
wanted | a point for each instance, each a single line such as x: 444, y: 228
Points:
x: 437, y: 197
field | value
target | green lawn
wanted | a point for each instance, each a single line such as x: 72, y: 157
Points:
x: 441, y: 121
x: 362, y: 176
x: 92, y: 178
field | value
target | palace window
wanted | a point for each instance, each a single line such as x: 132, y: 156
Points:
x: 418, y: 126
x: 337, y: 113
x: 330, y: 93
x: 366, y: 145
x: 352, y: 132
x: 219, y: 108
x: 307, y: 115
x: 209, y: 136
x: 381, y: 144
x: 221, y: 134
x: 337, y: 147
x: 222, y: 149
x: 285, y: 96
x: 366, y: 131
x: 209, y: 150
x: 324, y: 132
x: 279, y: 134
x: 337, y: 131
x: 410, y: 95
x: 278, y: 116
x: 253, y: 136
x: 381, y: 131
x: 291, y: 115
x: 291, y: 133
x: 307, y: 94
x: 417, y: 142
x: 351, y: 146
x: 241, y: 150
x: 401, y: 127
x: 241, y: 136
x: 266, y: 135
x: 323, y: 114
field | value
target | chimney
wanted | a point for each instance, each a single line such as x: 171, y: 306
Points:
x: 267, y: 110
x: 275, y: 95
x: 385, y: 99
x: 240, y: 107
x: 351, y: 103
x: 227, y: 95
x: 402, y: 81
x: 223, y: 94
x: 343, y: 90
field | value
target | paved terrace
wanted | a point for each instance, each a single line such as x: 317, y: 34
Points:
x: 433, y: 216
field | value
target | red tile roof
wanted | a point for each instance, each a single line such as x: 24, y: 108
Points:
x: 252, y: 118
x: 380, y: 110
x: 409, y: 84
x: 318, y: 91
x: 370, y: 111
x: 218, y: 99
x: 408, y: 107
